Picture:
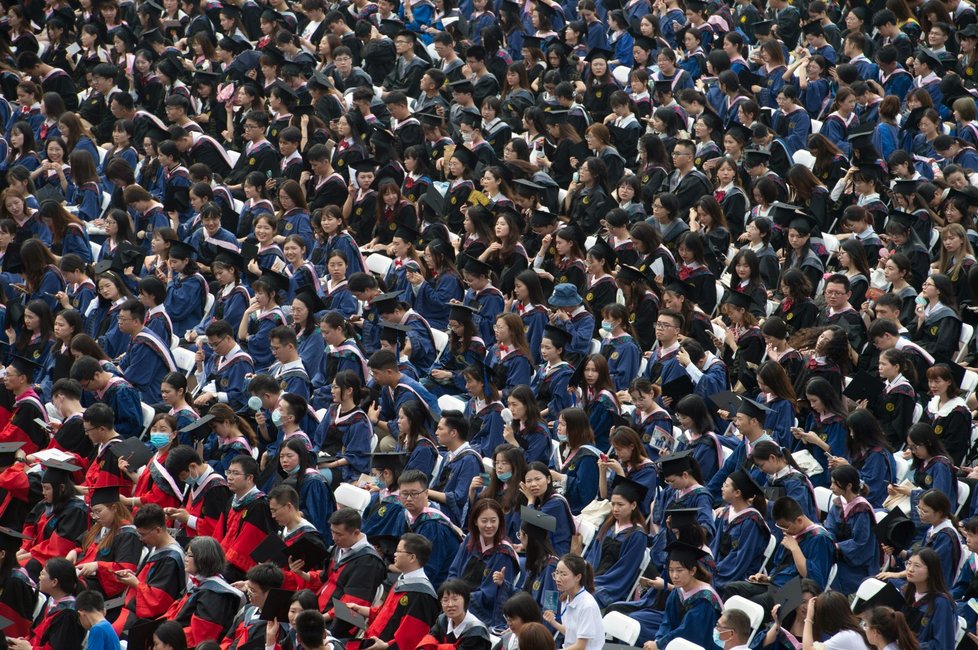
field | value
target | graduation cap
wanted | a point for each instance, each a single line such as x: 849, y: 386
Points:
x: 740, y: 132
x: 969, y: 194
x: 534, y: 42
x: 230, y: 10
x: 393, y: 333
x: 906, y: 186
x: 462, y: 86
x: 682, y: 517
x: 275, y: 55
x: 749, y: 79
x: 272, y: 549
x: 558, y: 337
x: 527, y: 187
x: 320, y: 79
x: 277, y: 604
x: 864, y: 386
x: 644, y: 42
x: 477, y: 267
x: 696, y: 5
x: 631, y: 490
x: 278, y: 281
x: 753, y: 409
x: 929, y: 58
x: 429, y: 118
x: 269, y: 15
x: 105, y: 495
x: 726, y: 400
x: 884, y: 594
x: 804, y: 222
x: 461, y: 313
x: 663, y: 86
x: 676, y: 464
x: 775, y: 326
x: 603, y: 250
x: 763, y: 27
x: 126, y: 255
x: 813, y: 28
x: 755, y: 157
x: 628, y: 273
x: 11, y: 533
x: 285, y: 92
x: 152, y: 36
x: 744, y: 482
x: 23, y: 365
x: 181, y: 250
x: 862, y: 137
x: 393, y: 461
x: 233, y: 45
x: 382, y: 137
x: 957, y: 370
x: 598, y: 53
x: 789, y: 597
x: 230, y: 258
x: 680, y: 288
x: 141, y: 634
x: 8, y: 451
x: 538, y: 519
x: 343, y: 613
x: 679, y: 387
x: 385, y: 303
x: 56, y: 471
x: 737, y: 298
x: 683, y: 552
x: 577, y: 379
x: 556, y: 117
x: 206, y: 77
x: 971, y: 31
x: 407, y: 233
x: 15, y: 315
x: 311, y: 300
x: 135, y: 451
x: 466, y: 156
x: 198, y: 428
x: 390, y: 27
x: 904, y: 220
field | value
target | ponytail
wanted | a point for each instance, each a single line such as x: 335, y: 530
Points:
x: 579, y: 566
x: 892, y: 626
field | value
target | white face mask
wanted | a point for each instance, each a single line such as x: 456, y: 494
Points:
x: 467, y: 137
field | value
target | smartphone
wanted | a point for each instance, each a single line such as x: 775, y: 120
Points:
x: 604, y: 457
x: 485, y: 478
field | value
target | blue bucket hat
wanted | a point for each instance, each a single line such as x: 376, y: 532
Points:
x: 565, y: 295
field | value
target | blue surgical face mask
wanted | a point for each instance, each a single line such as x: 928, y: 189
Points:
x: 504, y: 476
x: 562, y: 437
x: 276, y: 418
x: 716, y: 637
x: 294, y: 470
x: 159, y: 439
x: 606, y: 326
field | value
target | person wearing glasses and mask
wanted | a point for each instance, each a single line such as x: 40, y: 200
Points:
x: 685, y: 181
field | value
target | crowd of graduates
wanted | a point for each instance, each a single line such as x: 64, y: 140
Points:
x: 505, y: 324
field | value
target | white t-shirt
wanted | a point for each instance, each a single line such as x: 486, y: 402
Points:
x: 582, y: 617
x: 844, y: 640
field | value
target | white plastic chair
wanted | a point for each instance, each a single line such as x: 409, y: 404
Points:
x: 969, y: 382
x: 816, y: 126
x: 621, y: 627
x: 379, y: 264
x: 96, y: 250
x: 238, y: 205
x: 589, y: 242
x: 233, y: 155
x: 967, y: 332
x: 587, y: 532
x: 831, y: 243
x: 683, y: 644
x: 450, y: 403
x: 803, y: 157
x: 832, y: 573
x: 902, y: 466
x: 595, y: 346
x: 823, y: 497
x: 148, y: 414
x: 726, y: 451
x: 772, y: 546
x: 918, y: 409
x: 959, y: 633
x: 320, y: 414
x: 488, y: 465
x: 964, y: 495
x: 719, y: 290
x: 754, y: 612
x: 351, y: 496
x: 185, y: 359
x: 441, y: 340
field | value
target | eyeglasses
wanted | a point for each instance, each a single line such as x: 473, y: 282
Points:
x: 232, y: 472
x: 413, y: 495
x: 680, y: 153
x: 664, y: 325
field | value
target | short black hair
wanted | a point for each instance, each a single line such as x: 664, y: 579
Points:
x: 456, y: 420
x: 348, y: 518
x: 85, y: 368
x: 90, y: 601
x: 248, y: 465
x: 67, y: 387
x: 414, y: 476
x: 266, y: 575
x: 417, y: 545
x: 310, y: 628
x: 784, y: 509
x: 219, y: 328
x: 100, y: 415
x: 149, y: 516
x: 136, y: 309
x: 455, y: 587
x: 180, y: 459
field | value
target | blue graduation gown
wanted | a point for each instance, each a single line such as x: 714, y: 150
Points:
x: 737, y: 460
x: 229, y: 378
x: 229, y: 307
x: 580, y: 329
x: 582, y: 478
x: 454, y: 480
x: 935, y: 473
x: 76, y: 241
x: 779, y: 421
x: 51, y: 283
x: 343, y: 242
x: 647, y: 476
x: 854, y: 534
x: 476, y: 568
x: 422, y: 342
x: 124, y: 401
x: 149, y: 222
x: 146, y: 363
x: 819, y: 550
x: 537, y: 584
x: 347, y: 356
x: 602, y: 412
x: 384, y: 517
x: 513, y: 370
x: 796, y: 486
x: 259, y: 330
x: 437, y: 528
x: 487, y: 425
x: 697, y: 498
x: 652, y: 426
x: 616, y: 559
x: 934, y: 621
x: 391, y: 400
x: 297, y: 222
x: 185, y: 299
x: 311, y: 350
x: 692, y: 618
x: 624, y: 358
x: 450, y: 359
x: 432, y: 298
x: 550, y: 387
x: 81, y: 296
x: 707, y: 450
x: 423, y: 457
x: 88, y: 198
x: 340, y: 299
x: 833, y: 431
x: 534, y: 321
x: 114, y: 341
x: 490, y: 303
x: 876, y: 471
x: 739, y: 545
x: 316, y: 502
x: 947, y: 544
x: 354, y: 433
x: 556, y: 506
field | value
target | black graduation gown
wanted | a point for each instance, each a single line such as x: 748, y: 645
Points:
x: 588, y: 207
